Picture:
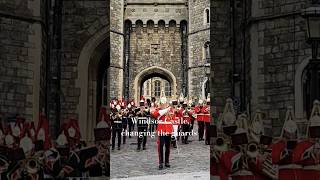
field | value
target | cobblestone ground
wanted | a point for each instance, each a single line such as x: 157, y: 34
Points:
x: 187, y: 161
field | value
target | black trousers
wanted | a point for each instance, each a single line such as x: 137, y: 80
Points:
x: 164, y: 141
x: 131, y: 126
x: 207, y: 133
x: 152, y: 127
x: 200, y: 129
x: 116, y: 132
x: 192, y: 123
x: 124, y: 130
x: 185, y: 128
x: 142, y: 136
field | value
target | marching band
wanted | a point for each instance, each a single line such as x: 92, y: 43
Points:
x: 27, y: 152
x: 246, y: 152
x: 169, y: 121
x: 241, y: 148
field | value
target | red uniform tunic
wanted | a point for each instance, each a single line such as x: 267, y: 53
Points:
x: 198, y: 111
x: 206, y: 113
x: 203, y: 113
x: 256, y: 168
x: 287, y: 169
x: 229, y: 162
x: 302, y: 154
x: 164, y: 121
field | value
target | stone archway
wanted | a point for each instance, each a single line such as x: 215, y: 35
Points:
x: 92, y: 52
x: 149, y: 72
x: 298, y: 90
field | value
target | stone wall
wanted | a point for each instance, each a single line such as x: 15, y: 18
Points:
x: 158, y: 10
x: 199, y: 34
x: 82, y: 20
x: 117, y: 41
x: 155, y: 46
x: 85, y: 40
x: 275, y: 51
x: 278, y: 46
x: 22, y: 58
x: 221, y: 53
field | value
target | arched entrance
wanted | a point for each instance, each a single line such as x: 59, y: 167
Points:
x: 152, y: 72
x: 92, y: 81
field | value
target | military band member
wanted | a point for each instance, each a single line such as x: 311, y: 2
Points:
x: 130, y: 108
x: 143, y: 114
x: 194, y: 115
x: 282, y: 150
x: 164, y: 130
x: 116, y: 126
x: 307, y: 152
x: 187, y: 115
x: 200, y: 119
x: 125, y: 117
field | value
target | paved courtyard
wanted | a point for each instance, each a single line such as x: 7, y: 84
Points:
x: 189, y: 161
x: 176, y: 176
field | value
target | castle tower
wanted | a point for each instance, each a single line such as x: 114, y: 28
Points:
x: 198, y: 47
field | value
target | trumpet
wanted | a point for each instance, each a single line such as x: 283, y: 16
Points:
x: 32, y: 166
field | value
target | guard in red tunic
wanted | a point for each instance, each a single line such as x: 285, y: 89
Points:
x: 164, y: 130
x: 200, y: 119
x: 307, y: 152
x: 73, y: 133
x: 187, y: 115
x: 42, y: 133
x: 282, y: 150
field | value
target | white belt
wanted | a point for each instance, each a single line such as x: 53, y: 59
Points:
x: 117, y: 122
x: 242, y: 173
x: 290, y: 166
x: 312, y: 167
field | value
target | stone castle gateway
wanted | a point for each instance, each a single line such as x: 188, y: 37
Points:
x: 68, y: 58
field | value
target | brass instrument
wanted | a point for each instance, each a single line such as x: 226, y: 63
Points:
x: 268, y: 168
x: 32, y: 166
x: 252, y: 150
x: 256, y: 150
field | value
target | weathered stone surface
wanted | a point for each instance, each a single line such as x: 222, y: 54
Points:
x: 22, y: 59
x: 272, y: 51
